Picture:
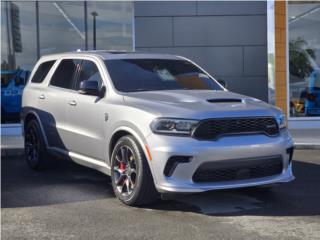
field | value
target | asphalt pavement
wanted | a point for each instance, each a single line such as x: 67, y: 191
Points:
x: 72, y: 202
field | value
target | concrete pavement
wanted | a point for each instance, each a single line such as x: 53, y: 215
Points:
x: 72, y: 202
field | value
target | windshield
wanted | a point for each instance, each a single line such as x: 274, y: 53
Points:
x: 133, y: 75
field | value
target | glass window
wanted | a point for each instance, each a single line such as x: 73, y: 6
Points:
x: 130, y: 75
x: 62, y: 26
x: 304, y: 59
x: 89, y: 72
x: 65, y: 73
x: 42, y: 72
x: 18, y: 55
x: 113, y: 25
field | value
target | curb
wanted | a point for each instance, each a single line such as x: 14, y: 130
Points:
x: 301, y: 146
x: 9, y: 152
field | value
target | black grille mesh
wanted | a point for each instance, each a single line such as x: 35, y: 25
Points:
x: 214, y: 128
x: 239, y: 171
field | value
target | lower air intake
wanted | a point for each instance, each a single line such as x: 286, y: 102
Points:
x: 240, y: 169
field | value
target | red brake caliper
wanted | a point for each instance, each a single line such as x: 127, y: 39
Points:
x: 122, y: 166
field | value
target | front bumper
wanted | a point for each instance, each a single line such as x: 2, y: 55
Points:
x: 229, y: 148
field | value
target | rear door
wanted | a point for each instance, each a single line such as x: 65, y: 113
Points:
x: 85, y: 113
x: 55, y: 101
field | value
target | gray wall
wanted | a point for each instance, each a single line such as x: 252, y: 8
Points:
x: 228, y: 39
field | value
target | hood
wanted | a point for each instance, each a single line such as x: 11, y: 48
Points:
x: 199, y: 104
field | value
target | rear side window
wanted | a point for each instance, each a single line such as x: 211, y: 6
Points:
x: 65, y: 73
x: 42, y: 72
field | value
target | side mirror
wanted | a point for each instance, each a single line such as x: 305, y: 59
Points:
x: 223, y: 83
x: 89, y: 88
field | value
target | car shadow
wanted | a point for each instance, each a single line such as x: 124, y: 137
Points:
x: 63, y: 182
x: 67, y: 182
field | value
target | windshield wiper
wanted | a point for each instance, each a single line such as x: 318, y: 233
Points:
x: 157, y: 89
x: 145, y: 90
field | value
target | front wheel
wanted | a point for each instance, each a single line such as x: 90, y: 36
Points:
x: 132, y: 181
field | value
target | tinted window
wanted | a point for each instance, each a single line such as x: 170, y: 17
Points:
x: 130, y: 75
x: 64, y: 74
x: 89, y: 72
x: 42, y: 72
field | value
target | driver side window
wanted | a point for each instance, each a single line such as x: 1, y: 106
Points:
x: 88, y: 72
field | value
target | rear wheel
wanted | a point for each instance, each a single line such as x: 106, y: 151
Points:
x: 130, y: 173
x: 35, y: 151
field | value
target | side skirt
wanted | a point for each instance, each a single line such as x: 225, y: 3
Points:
x: 81, y: 159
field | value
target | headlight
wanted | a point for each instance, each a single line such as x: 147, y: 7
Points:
x: 173, y: 126
x: 281, y: 120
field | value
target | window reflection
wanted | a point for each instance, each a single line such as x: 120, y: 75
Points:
x: 113, y: 25
x: 304, y: 59
x: 18, y: 55
x: 62, y: 27
x: 271, y: 52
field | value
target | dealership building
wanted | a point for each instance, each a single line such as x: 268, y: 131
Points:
x: 267, y: 50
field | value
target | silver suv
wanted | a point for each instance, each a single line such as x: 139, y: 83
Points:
x: 155, y: 123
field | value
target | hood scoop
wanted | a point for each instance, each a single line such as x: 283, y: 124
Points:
x: 225, y: 100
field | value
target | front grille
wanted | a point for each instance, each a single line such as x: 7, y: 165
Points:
x: 238, y: 169
x: 212, y: 129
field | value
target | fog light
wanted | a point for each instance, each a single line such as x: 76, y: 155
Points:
x: 173, y: 162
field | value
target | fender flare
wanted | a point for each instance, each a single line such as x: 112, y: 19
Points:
x: 34, y: 113
x: 139, y: 137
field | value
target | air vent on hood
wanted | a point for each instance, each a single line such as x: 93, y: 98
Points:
x: 225, y: 100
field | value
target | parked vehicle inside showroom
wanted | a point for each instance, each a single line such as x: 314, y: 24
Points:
x: 12, y: 84
x: 156, y: 123
x: 305, y: 85
x: 312, y: 102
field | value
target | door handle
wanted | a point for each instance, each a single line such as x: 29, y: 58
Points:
x: 73, y: 103
x: 42, y: 96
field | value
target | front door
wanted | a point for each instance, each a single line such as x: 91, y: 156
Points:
x: 85, y: 116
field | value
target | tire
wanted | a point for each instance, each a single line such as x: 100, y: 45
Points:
x: 36, y: 154
x: 131, y: 177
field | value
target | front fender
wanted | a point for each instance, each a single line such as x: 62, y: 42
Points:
x: 134, y: 131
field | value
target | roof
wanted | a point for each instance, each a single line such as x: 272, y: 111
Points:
x: 114, y: 54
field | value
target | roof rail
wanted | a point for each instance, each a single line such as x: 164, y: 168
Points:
x: 106, y: 51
